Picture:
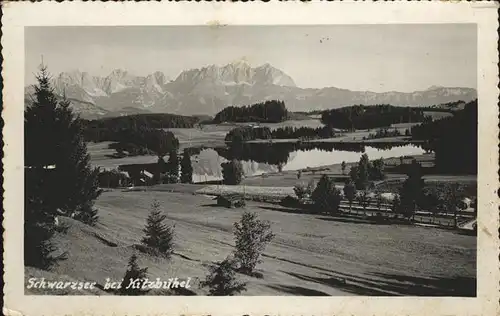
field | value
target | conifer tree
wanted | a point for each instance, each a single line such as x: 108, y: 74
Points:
x: 134, y: 278
x: 159, y: 237
x: 40, y: 209
x: 186, y: 168
x: 58, y: 177
x: 55, y: 151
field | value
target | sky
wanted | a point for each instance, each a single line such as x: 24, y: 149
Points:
x: 379, y: 58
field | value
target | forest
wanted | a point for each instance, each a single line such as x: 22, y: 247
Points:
x: 272, y: 111
x: 453, y: 139
x: 116, y: 128
x: 367, y: 117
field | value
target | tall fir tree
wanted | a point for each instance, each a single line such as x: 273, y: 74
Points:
x: 58, y: 177
x: 186, y: 168
x: 55, y: 151
x: 134, y: 278
x: 159, y: 237
x: 40, y: 209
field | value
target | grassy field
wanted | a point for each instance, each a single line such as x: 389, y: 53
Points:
x: 212, y: 135
x: 99, y: 156
x: 437, y: 115
x: 311, y: 254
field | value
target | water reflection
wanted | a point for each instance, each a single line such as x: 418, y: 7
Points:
x: 259, y: 158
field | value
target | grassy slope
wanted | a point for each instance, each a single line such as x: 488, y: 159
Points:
x: 308, y: 257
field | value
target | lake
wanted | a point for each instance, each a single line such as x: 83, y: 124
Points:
x: 259, y: 159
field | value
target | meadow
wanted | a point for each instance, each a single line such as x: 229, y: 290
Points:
x: 311, y: 254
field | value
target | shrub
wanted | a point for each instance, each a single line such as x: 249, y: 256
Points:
x: 232, y: 172
x: 221, y: 279
x: 303, y: 192
x: 130, y: 285
x: 159, y: 237
x: 300, y: 191
x: 251, y: 235
x: 290, y: 201
x: 87, y: 214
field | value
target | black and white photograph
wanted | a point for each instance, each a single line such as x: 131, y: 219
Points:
x: 315, y: 165
x: 252, y: 160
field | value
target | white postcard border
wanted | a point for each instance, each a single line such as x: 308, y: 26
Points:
x: 18, y: 15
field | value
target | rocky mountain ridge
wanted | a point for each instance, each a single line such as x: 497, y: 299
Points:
x: 209, y: 89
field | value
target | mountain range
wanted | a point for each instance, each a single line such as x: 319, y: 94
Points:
x: 208, y: 90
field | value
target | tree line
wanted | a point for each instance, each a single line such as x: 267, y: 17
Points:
x: 411, y: 197
x: 453, y: 139
x: 116, y: 128
x: 272, y: 111
x: 386, y: 132
x: 247, y: 133
x: 373, y: 116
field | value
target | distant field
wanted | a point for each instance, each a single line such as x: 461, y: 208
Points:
x: 98, y: 152
x: 404, y: 125
x: 311, y: 254
x: 437, y: 115
x: 214, y: 134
